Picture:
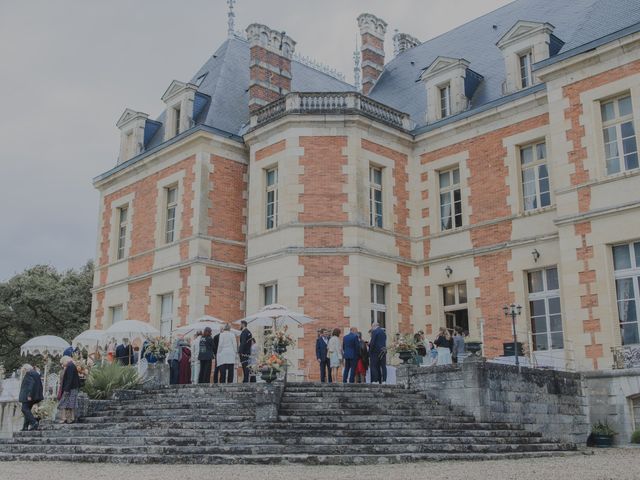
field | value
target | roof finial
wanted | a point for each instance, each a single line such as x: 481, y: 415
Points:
x: 396, y: 42
x: 356, y: 66
x: 231, y: 18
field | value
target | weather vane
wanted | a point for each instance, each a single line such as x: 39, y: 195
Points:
x: 231, y: 18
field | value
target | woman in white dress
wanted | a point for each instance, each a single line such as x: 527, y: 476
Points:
x: 227, y: 353
x: 444, y: 342
x: 195, y: 363
x: 334, y: 350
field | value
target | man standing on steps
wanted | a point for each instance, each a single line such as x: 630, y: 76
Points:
x: 378, y: 354
x: 216, y: 370
x: 350, y: 349
x: 244, y: 350
x: 205, y: 356
x: 30, y: 394
x: 322, y: 350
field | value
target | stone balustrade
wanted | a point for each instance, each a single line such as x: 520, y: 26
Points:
x: 341, y: 103
x: 626, y: 356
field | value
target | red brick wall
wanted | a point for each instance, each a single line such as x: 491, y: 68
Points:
x: 138, y: 306
x: 183, y: 294
x: 271, y: 150
x: 225, y: 294
x: 258, y: 73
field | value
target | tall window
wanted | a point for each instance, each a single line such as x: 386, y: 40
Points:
x: 445, y: 100
x: 378, y: 304
x: 544, y: 308
x: 626, y: 263
x: 620, y: 149
x: 526, y: 78
x: 375, y: 197
x: 116, y: 314
x: 270, y: 293
x: 172, y: 205
x: 272, y: 198
x: 456, y: 311
x: 176, y: 120
x: 450, y: 199
x: 122, y: 231
x: 535, y: 176
x: 166, y: 314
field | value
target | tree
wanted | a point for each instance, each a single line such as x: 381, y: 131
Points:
x: 43, y: 301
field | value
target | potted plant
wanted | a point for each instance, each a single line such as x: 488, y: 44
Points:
x: 635, y: 437
x: 157, y: 349
x: 602, y: 434
x: 279, y: 340
x: 269, y: 366
x: 405, y: 347
x: 473, y: 346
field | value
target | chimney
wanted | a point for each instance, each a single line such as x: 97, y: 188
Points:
x: 270, y: 65
x: 372, y: 31
x: 403, y: 42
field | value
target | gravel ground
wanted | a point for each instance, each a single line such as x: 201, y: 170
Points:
x: 614, y: 464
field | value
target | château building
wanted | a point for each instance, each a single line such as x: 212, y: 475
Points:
x: 494, y: 164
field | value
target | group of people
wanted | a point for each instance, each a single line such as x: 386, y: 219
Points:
x: 32, y: 393
x: 444, y: 350
x: 354, y: 353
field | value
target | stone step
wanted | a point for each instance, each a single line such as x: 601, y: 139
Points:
x: 210, y: 411
x: 275, y: 459
x: 352, y: 449
x: 390, y: 416
x: 186, y: 417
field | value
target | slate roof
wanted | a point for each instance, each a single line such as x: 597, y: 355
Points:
x: 576, y: 22
x: 227, y: 81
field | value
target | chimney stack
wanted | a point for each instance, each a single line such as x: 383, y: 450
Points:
x: 270, y: 65
x: 372, y: 31
x: 403, y: 42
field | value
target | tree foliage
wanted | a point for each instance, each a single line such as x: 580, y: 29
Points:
x: 43, y: 301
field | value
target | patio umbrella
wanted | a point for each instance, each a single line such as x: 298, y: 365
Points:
x: 131, y: 330
x: 276, y: 315
x: 89, y: 338
x: 215, y: 324
x: 44, y: 345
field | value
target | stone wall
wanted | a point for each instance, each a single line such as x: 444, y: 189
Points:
x: 545, y: 401
x: 611, y: 395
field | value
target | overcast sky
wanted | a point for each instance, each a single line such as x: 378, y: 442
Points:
x: 68, y: 69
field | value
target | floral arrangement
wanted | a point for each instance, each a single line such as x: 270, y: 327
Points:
x: 270, y: 361
x: 45, y: 410
x: 603, y: 429
x: 159, y: 347
x: 403, y: 343
x: 280, y: 338
x: 81, y: 364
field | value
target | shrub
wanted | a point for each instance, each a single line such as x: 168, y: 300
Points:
x: 105, y: 379
x: 635, y: 437
x: 603, y: 429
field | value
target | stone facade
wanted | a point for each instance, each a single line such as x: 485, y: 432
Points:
x: 332, y: 153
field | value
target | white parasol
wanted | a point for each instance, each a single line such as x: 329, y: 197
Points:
x: 276, y: 315
x: 44, y: 345
x: 131, y: 330
x: 89, y: 338
x: 215, y: 324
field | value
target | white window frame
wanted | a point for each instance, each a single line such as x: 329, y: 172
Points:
x: 457, y: 305
x: 265, y: 287
x: 525, y: 60
x: 177, y: 111
x: 171, y: 210
x: 455, y: 217
x: 121, y: 247
x: 619, y: 142
x: 535, y: 201
x: 271, y: 219
x: 376, y: 305
x: 545, y: 295
x: 632, y: 273
x: 376, y: 216
x: 166, y: 315
x: 444, y: 94
x: 116, y: 311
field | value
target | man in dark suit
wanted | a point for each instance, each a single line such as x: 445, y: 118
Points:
x: 124, y: 353
x: 378, y: 354
x: 350, y: 349
x: 321, y: 354
x: 216, y: 370
x: 244, y: 350
x: 30, y: 394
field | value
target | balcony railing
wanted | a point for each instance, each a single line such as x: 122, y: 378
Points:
x: 331, y: 103
x: 626, y: 356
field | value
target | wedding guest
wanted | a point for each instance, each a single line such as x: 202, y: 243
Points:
x: 350, y: 349
x: 174, y: 358
x: 322, y: 355
x: 216, y: 370
x: 334, y: 351
x: 421, y: 350
x: 244, y: 350
x: 378, y: 354
x: 459, y: 348
x: 363, y: 361
x: 184, y: 364
x: 433, y: 353
x: 68, y: 392
x: 195, y: 363
x: 205, y: 356
x: 31, y: 392
x: 111, y: 350
x: 253, y: 360
x: 227, y: 353
x: 444, y: 343
x: 124, y: 352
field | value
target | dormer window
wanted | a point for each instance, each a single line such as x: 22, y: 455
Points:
x: 179, y: 98
x: 132, y: 126
x: 445, y: 100
x: 525, y: 44
x: 526, y: 79
x: 176, y: 120
x: 450, y: 85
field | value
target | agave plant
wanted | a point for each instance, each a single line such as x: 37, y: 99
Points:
x: 105, y: 379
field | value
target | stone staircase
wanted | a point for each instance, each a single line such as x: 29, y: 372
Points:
x: 317, y: 424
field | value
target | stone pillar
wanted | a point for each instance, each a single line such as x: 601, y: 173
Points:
x: 157, y: 375
x: 269, y: 65
x: 372, y: 32
x: 268, y: 398
x: 476, y: 388
x: 403, y: 42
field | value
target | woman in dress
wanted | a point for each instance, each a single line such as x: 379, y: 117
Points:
x: 444, y: 343
x: 334, y: 349
x: 363, y: 361
x: 68, y: 391
x: 227, y: 354
x: 195, y: 363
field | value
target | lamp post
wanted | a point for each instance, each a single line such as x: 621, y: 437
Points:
x: 513, y: 311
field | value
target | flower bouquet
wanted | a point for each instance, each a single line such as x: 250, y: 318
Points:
x: 269, y: 365
x: 405, y: 346
x: 158, y: 347
x: 279, y: 340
